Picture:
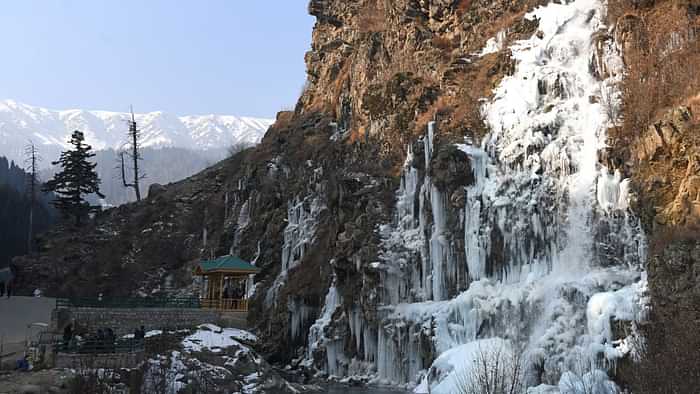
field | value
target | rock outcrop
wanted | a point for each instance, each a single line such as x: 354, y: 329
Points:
x: 657, y: 145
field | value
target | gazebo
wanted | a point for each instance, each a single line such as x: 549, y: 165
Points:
x: 226, y: 281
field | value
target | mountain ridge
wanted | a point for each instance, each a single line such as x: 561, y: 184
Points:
x: 50, y: 129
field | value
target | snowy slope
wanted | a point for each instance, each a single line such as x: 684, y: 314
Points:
x: 50, y: 129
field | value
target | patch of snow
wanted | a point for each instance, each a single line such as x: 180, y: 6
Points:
x: 494, y: 44
x: 215, y: 339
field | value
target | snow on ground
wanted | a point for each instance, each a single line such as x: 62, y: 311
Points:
x: 494, y: 44
x: 452, y: 366
x: 148, y: 334
x: 226, y: 363
x: 215, y: 339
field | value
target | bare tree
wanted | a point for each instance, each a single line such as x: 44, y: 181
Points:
x: 497, y: 370
x: 32, y: 159
x: 581, y: 377
x: 134, y: 153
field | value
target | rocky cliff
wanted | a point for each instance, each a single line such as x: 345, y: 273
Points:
x: 656, y: 144
x: 455, y: 174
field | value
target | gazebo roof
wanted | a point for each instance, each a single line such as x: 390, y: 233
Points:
x: 226, y: 264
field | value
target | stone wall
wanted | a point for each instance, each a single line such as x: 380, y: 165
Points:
x: 100, y: 360
x: 126, y: 320
x: 234, y: 320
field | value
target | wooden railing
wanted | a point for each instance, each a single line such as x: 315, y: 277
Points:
x: 226, y: 304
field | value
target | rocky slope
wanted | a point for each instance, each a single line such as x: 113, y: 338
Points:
x: 443, y: 182
x: 657, y: 146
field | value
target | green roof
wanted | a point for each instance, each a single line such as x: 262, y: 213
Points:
x: 227, y: 263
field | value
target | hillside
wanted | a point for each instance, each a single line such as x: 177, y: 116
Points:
x: 456, y: 175
x: 14, y: 212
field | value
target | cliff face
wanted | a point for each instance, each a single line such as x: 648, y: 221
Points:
x: 385, y: 68
x: 657, y: 146
x: 378, y: 71
x: 439, y: 183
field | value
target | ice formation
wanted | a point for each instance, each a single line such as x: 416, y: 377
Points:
x: 494, y: 44
x: 302, y: 216
x: 546, y: 254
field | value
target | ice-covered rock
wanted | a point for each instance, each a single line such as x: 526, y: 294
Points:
x: 543, y: 253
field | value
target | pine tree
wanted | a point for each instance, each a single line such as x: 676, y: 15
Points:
x: 76, y: 179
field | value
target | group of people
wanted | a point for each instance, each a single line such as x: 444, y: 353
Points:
x: 139, y: 334
x: 103, y: 341
x: 235, y: 292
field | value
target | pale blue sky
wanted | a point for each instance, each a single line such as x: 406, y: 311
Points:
x: 181, y: 56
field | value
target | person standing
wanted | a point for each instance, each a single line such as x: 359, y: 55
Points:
x: 67, y: 334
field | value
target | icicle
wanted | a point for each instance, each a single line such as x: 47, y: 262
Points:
x: 298, y: 235
x: 612, y: 191
x: 540, y: 223
x: 428, y: 145
x: 334, y: 347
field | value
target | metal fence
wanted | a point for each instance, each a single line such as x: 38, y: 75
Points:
x: 129, y: 302
x: 100, y: 346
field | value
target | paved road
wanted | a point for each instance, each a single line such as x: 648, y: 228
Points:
x: 17, y: 312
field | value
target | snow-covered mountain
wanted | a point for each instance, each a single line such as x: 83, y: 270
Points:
x: 50, y: 130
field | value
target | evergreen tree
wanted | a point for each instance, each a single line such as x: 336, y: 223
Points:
x: 76, y: 179
x: 15, y: 205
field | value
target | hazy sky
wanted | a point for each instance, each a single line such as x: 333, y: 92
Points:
x: 180, y: 56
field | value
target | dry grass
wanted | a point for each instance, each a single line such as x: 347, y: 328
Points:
x: 443, y: 43
x: 372, y: 18
x: 667, y: 236
x: 661, y: 50
x: 463, y: 6
x: 662, y: 56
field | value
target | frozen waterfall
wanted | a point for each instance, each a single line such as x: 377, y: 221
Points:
x: 547, y: 253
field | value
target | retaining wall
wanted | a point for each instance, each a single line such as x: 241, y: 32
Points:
x: 99, y: 360
x: 125, y: 321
